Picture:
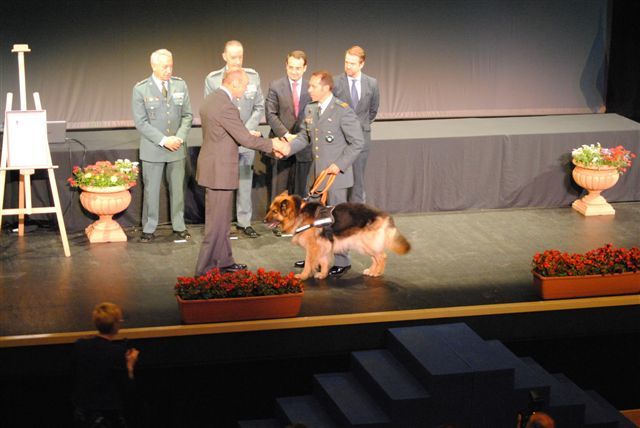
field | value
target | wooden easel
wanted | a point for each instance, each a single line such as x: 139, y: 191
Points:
x: 27, y: 169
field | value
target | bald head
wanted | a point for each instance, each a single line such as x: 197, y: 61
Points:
x: 233, y: 53
x: 235, y: 79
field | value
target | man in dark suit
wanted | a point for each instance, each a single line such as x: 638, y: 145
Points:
x: 361, y: 92
x: 286, y: 100
x: 333, y: 132
x: 222, y: 132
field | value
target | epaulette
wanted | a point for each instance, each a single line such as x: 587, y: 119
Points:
x: 342, y: 104
x: 142, y: 81
x: 213, y: 73
x: 250, y: 70
x: 177, y: 78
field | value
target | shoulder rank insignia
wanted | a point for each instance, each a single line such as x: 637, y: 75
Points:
x: 343, y: 104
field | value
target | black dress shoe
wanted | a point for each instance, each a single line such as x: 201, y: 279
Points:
x: 182, y: 235
x: 338, y: 270
x: 249, y: 231
x: 299, y: 264
x: 233, y: 268
x: 146, y: 237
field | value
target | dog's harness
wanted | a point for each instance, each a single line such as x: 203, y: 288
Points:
x: 323, y: 217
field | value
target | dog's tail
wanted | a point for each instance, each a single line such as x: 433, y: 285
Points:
x: 395, y: 241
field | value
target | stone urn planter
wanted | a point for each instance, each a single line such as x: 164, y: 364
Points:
x: 105, y: 202
x: 563, y: 287
x: 594, y: 180
x: 239, y: 308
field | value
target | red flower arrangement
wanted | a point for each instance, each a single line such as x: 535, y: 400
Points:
x: 217, y: 285
x: 601, y: 261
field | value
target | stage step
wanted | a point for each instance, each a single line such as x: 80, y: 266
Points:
x: 260, y: 423
x: 565, y: 407
x: 304, y: 409
x: 469, y: 385
x: 528, y: 384
x: 623, y: 422
x: 348, y: 402
x: 595, y: 416
x: 399, y: 393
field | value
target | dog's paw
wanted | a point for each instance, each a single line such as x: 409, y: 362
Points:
x: 371, y: 272
x: 320, y: 275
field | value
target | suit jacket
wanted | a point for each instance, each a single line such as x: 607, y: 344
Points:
x: 280, y: 112
x: 251, y: 104
x: 222, y: 133
x: 156, y: 117
x: 367, y: 108
x: 334, y: 137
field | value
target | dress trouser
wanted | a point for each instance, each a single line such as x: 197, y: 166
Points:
x: 152, y: 180
x: 357, y: 193
x: 243, y: 196
x: 339, y: 196
x: 215, y: 251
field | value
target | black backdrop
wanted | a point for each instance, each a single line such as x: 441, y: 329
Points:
x: 433, y: 58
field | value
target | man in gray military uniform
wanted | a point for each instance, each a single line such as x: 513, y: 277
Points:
x: 251, y: 106
x: 162, y: 115
x: 332, y: 130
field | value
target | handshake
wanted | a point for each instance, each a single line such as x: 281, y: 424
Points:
x: 281, y: 146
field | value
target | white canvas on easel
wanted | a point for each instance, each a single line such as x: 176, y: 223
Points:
x: 25, y: 148
x: 27, y: 139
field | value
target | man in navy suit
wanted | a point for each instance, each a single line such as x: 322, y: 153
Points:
x: 286, y: 100
x: 361, y: 92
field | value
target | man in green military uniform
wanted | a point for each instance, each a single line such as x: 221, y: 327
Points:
x: 251, y: 107
x: 162, y: 115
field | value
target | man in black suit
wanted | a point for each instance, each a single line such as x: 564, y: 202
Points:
x: 222, y: 133
x: 361, y: 92
x: 285, y: 105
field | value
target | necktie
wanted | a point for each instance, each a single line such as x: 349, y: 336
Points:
x: 296, y: 100
x: 354, y: 94
x: 319, y: 110
x: 164, y: 89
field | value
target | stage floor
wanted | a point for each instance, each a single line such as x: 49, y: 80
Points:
x: 458, y: 259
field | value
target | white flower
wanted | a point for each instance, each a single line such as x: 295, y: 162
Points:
x: 114, y: 179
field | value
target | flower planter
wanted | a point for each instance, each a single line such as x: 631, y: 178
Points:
x: 105, y: 202
x: 594, y: 180
x: 240, y: 308
x: 562, y: 287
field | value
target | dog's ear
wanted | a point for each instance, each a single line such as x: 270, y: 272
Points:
x: 285, y: 193
x: 284, y: 205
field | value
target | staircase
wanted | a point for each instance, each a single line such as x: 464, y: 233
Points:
x: 440, y: 375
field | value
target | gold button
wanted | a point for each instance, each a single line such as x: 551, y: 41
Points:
x: 316, y: 138
x: 317, y: 157
x: 168, y: 130
x: 317, y: 148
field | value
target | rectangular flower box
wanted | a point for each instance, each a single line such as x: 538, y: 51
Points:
x: 240, y: 308
x: 563, y: 287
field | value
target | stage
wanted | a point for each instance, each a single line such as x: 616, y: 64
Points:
x: 458, y: 259
x: 468, y: 263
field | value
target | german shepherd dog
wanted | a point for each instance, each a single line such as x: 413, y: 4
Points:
x: 356, y: 227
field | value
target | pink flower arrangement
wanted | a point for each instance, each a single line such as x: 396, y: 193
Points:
x: 105, y: 174
x: 601, y: 261
x: 217, y: 285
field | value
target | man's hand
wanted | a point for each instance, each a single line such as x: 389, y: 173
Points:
x: 280, y: 147
x: 333, y: 169
x: 173, y: 143
x: 255, y: 133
